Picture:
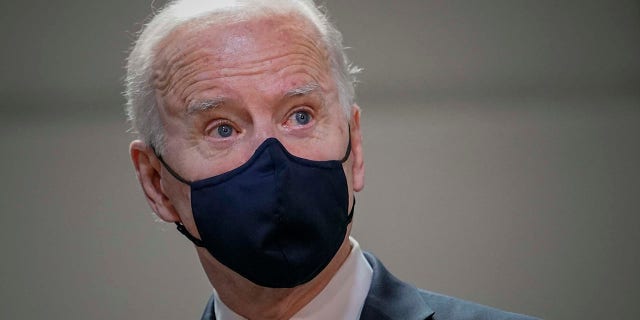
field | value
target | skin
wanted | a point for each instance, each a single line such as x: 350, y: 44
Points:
x: 252, y: 76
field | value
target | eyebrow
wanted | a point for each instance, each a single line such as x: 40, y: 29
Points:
x: 204, y: 105
x: 303, y: 90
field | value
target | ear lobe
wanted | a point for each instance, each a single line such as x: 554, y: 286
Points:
x: 148, y: 169
x: 356, y: 149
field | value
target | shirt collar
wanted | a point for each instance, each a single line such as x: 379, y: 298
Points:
x: 342, y: 298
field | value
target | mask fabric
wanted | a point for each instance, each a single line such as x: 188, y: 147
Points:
x: 277, y: 220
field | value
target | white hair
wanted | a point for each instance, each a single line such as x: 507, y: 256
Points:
x: 141, y: 104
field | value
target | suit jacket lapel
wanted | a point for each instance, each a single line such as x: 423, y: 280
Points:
x: 209, y: 313
x: 390, y: 298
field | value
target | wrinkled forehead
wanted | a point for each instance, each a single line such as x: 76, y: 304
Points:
x: 230, y: 35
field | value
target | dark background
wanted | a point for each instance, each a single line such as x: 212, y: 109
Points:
x: 501, y: 148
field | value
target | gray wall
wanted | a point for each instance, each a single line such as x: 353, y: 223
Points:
x: 501, y: 148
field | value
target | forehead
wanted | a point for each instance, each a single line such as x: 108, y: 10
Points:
x: 198, y: 53
x: 219, y: 33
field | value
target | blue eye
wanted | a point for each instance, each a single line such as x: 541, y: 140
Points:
x: 225, y: 130
x: 302, y: 117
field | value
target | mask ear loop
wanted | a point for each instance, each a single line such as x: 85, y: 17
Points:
x: 348, y: 153
x: 189, y: 236
x: 350, y: 216
x: 179, y: 225
x: 171, y: 171
x: 344, y: 159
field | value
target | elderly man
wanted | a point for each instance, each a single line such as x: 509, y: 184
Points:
x: 250, y: 143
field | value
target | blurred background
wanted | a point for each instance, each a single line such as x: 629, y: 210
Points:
x: 501, y: 149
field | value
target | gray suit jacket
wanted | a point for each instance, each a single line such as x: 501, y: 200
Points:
x: 392, y: 299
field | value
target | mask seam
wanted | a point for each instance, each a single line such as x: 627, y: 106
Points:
x: 280, y: 213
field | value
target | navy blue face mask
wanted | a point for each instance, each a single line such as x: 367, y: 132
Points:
x: 277, y: 220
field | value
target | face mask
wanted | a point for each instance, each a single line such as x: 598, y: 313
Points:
x: 277, y: 220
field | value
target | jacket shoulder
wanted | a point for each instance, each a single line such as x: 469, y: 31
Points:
x: 446, y: 307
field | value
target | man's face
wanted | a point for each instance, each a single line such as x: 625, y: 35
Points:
x: 223, y: 90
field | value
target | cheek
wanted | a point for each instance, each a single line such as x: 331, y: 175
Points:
x: 179, y: 195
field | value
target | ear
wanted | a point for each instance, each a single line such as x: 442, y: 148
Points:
x: 356, y: 149
x: 148, y: 169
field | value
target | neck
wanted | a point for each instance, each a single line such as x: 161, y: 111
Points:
x: 254, y: 302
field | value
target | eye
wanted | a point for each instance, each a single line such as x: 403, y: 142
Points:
x: 300, y: 118
x: 224, y: 130
x: 221, y: 129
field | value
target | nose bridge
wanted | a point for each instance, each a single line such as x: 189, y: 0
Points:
x: 261, y: 106
x: 263, y: 130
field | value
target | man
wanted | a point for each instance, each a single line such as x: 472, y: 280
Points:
x: 250, y: 143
